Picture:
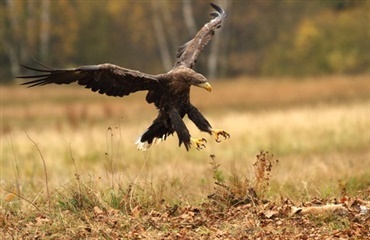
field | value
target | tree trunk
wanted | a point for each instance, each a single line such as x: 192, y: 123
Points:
x: 45, y: 30
x: 188, y: 16
x: 9, y: 41
x: 171, y: 31
x: 162, y: 42
x: 28, y: 45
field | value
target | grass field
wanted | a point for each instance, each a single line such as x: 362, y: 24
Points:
x: 69, y: 166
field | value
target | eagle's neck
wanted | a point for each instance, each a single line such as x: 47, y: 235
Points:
x: 178, y: 80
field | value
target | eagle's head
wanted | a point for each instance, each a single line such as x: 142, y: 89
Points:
x: 201, y: 81
x: 188, y: 77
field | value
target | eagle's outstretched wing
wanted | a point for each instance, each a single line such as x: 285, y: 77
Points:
x: 188, y: 53
x: 105, y: 78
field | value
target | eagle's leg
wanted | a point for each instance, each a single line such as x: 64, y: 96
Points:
x: 219, y: 132
x: 204, y: 125
x: 198, y: 119
x: 199, y: 143
x: 180, y: 128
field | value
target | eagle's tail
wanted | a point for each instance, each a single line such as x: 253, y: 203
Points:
x: 155, y: 134
x: 143, y: 146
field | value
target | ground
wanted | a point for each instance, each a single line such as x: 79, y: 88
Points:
x: 297, y: 165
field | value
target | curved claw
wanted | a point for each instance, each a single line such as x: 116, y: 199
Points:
x: 199, y: 143
x: 219, y: 132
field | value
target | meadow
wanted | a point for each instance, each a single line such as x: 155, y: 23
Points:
x: 70, y: 168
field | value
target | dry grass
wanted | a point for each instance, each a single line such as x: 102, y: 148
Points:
x: 68, y: 125
x: 317, y: 129
x: 19, y: 103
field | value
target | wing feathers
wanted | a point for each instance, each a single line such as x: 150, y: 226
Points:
x: 35, y: 69
x: 219, y: 10
x: 106, y: 78
x: 188, y: 53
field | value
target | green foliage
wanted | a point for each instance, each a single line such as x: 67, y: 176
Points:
x: 259, y: 37
x: 329, y: 42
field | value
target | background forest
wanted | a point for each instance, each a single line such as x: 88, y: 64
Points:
x: 268, y: 38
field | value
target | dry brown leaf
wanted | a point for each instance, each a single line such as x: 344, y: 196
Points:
x: 98, y: 211
x: 42, y: 220
x: 9, y: 197
x: 270, y: 213
x: 135, y: 212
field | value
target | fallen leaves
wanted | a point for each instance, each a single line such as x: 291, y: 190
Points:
x: 283, y: 219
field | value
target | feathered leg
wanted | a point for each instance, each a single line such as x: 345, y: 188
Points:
x: 201, y: 122
x: 180, y: 128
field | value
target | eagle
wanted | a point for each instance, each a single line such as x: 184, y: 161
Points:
x: 169, y: 92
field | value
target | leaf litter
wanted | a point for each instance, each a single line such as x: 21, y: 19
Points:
x: 227, y: 213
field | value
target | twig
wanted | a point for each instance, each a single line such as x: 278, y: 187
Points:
x: 77, y: 175
x: 136, y: 179
x: 109, y: 164
x: 18, y: 186
x: 25, y: 199
x: 45, y: 171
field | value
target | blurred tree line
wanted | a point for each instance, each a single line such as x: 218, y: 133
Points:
x: 259, y: 37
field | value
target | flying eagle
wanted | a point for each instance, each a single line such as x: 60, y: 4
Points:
x: 168, y: 91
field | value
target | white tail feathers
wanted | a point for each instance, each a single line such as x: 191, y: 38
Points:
x: 143, y: 146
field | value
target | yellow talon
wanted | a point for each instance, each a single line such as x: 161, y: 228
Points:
x: 219, y: 132
x: 199, y: 143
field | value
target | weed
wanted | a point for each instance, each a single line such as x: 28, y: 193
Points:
x: 218, y: 175
x: 262, y: 172
x: 236, y: 190
x: 78, y: 198
x: 342, y: 188
x: 331, y: 221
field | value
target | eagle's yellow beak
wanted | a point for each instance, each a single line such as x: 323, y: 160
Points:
x: 206, y: 86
